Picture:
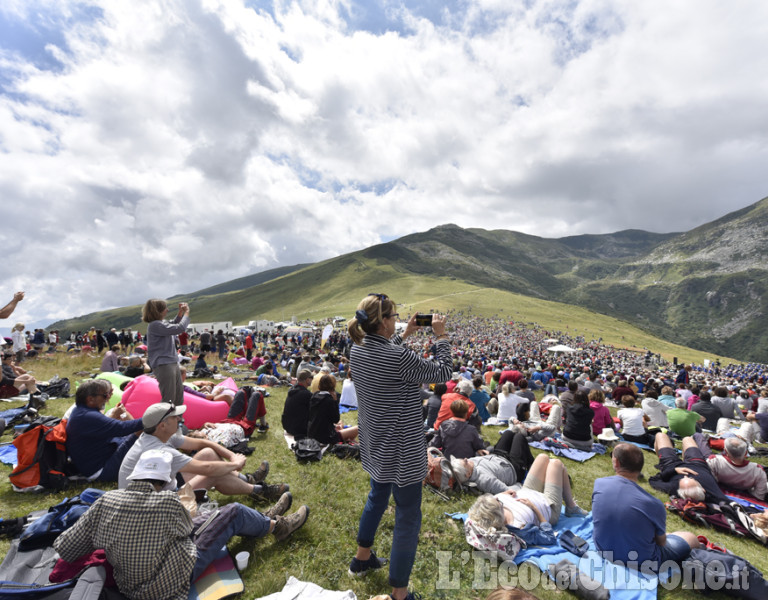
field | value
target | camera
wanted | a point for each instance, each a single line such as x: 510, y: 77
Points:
x: 423, y: 320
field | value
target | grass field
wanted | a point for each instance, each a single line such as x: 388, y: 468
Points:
x: 336, y: 490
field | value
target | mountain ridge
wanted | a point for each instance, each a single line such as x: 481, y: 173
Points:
x: 704, y: 288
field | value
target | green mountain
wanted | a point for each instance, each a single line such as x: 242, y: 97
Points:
x: 702, y: 289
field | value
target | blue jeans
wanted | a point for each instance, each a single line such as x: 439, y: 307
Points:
x: 676, y: 549
x: 245, y: 522
x: 405, y: 538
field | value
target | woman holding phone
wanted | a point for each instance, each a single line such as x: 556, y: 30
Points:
x: 392, y: 447
x: 161, y: 347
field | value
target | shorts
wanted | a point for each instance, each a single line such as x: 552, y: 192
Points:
x: 8, y: 391
x: 553, y: 493
x: 676, y: 549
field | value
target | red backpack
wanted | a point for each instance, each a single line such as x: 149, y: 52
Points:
x: 42, y: 457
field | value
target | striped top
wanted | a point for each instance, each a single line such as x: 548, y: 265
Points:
x: 387, y: 377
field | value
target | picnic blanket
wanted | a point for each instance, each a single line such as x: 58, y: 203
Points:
x: 219, y: 580
x: 559, y: 449
x: 623, y: 583
x: 306, y: 590
x: 745, y: 499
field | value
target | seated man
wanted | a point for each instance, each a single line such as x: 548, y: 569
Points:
x: 732, y: 469
x: 97, y: 443
x: 456, y: 437
x: 681, y: 421
x: 687, y: 478
x: 212, y: 466
x: 462, y: 390
x: 629, y: 520
x: 149, y: 537
x: 296, y: 409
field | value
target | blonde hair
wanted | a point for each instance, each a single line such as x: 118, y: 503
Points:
x: 597, y: 396
x: 487, y: 513
x: 760, y: 519
x: 153, y: 310
x: 373, y: 308
x: 19, y: 326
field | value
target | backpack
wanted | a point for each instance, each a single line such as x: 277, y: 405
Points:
x: 346, y: 450
x: 43, y: 531
x: 42, y: 457
x: 729, y: 517
x: 439, y: 473
x: 56, y: 387
x: 712, y: 570
x: 307, y: 450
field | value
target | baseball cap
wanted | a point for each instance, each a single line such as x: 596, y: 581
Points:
x: 157, y: 412
x: 153, y: 464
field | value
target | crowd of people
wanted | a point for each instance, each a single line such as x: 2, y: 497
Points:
x: 414, y: 387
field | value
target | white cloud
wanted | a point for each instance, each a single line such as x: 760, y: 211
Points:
x: 177, y: 144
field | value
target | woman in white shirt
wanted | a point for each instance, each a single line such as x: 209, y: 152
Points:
x: 508, y: 402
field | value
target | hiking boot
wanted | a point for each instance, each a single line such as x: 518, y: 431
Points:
x: 259, y: 474
x: 37, y: 400
x: 575, y: 511
x: 270, y: 492
x: 280, y: 507
x: 359, y: 568
x: 285, y: 526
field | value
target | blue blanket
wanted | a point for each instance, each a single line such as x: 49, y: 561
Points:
x: 8, y: 454
x: 572, y: 453
x: 624, y: 583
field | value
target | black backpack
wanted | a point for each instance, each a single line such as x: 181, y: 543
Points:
x: 712, y: 570
x: 307, y: 450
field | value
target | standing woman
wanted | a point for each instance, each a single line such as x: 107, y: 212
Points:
x: 392, y: 447
x: 161, y: 347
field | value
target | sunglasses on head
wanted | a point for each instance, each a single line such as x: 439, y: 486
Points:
x: 380, y: 296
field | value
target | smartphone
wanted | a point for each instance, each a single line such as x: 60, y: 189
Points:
x: 423, y: 320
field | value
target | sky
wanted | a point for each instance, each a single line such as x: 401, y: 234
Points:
x: 156, y: 147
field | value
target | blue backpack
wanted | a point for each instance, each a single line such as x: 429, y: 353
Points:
x: 42, y: 531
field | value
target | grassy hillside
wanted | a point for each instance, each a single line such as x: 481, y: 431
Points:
x: 704, y: 288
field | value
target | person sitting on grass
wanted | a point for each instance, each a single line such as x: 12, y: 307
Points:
x: 633, y: 421
x: 456, y: 437
x: 603, y: 418
x: 16, y: 380
x: 462, y: 390
x: 577, y: 431
x: 296, y: 410
x: 681, y: 421
x: 97, y: 443
x: 157, y: 550
x: 136, y: 366
x: 532, y: 510
x: 325, y: 424
x: 732, y: 468
x: 529, y: 423
x: 212, y: 466
x: 630, y: 523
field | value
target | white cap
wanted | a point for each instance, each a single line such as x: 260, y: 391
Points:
x: 153, y: 464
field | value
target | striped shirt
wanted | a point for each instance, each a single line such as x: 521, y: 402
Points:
x: 387, y: 378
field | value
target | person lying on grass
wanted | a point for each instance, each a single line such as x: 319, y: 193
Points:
x: 531, y: 511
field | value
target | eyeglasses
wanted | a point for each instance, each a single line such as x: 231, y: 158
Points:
x: 167, y: 413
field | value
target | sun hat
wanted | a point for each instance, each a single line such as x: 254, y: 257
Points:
x: 153, y: 464
x: 157, y: 412
x: 609, y: 435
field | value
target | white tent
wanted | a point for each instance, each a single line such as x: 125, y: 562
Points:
x: 561, y: 348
